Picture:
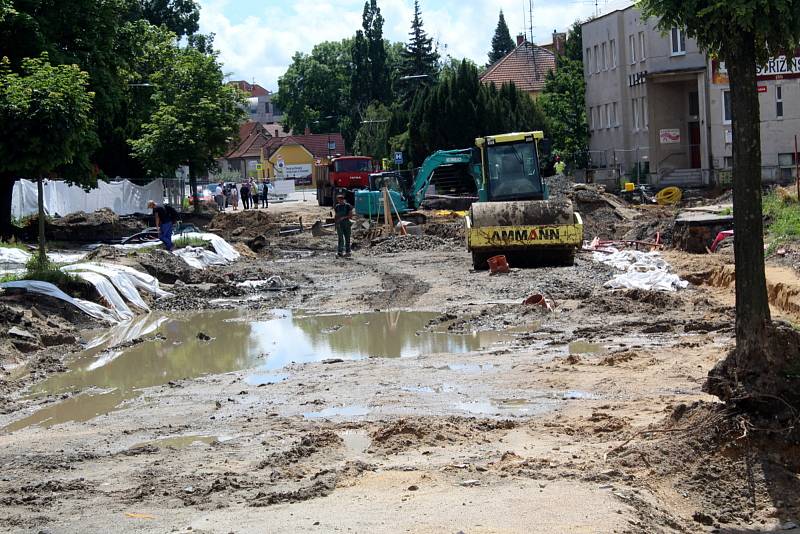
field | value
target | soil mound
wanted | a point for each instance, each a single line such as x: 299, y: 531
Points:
x: 450, y: 230
x: 241, y: 225
x: 99, y: 226
x: 403, y: 434
x: 397, y: 244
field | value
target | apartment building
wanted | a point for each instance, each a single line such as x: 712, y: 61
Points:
x: 659, y: 107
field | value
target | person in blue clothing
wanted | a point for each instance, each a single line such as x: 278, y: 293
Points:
x: 165, y: 219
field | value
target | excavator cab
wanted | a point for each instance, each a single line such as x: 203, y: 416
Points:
x: 514, y: 216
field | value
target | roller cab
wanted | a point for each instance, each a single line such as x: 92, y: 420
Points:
x: 514, y: 216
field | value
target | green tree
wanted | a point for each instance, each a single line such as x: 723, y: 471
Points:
x: 196, y: 116
x: 502, y: 43
x: 373, y: 135
x: 419, y: 57
x: 181, y: 17
x: 45, y: 125
x: 743, y: 33
x: 318, y: 85
x: 574, y: 46
x: 564, y: 104
x: 369, y: 79
x: 458, y: 109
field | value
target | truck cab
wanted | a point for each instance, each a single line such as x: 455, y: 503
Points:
x: 342, y: 174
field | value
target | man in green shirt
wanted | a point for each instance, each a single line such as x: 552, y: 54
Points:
x: 343, y: 214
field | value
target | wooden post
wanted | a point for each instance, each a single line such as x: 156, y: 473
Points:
x: 797, y: 167
x: 387, y: 210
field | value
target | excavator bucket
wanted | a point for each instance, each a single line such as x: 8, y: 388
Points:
x: 528, y: 233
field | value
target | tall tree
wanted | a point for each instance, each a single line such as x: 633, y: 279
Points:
x: 460, y: 108
x: 743, y: 33
x: 574, y: 47
x: 419, y: 57
x: 564, y: 103
x: 181, y: 17
x: 196, y: 116
x: 45, y: 124
x: 370, y: 80
x: 502, y: 43
x: 318, y: 85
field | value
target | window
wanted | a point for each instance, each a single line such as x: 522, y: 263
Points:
x: 276, y: 110
x: 727, y: 162
x: 596, y: 59
x: 616, y: 115
x: 694, y: 104
x: 642, y: 47
x: 678, y: 40
x: 636, y: 116
x: 588, y: 61
x: 778, y: 101
x: 786, y: 163
x: 613, y: 46
x: 632, y: 46
x: 591, y: 118
x: 645, y: 115
x: 604, y: 53
x: 353, y: 165
x: 608, y: 116
x: 727, y: 116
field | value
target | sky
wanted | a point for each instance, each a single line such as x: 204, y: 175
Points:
x: 257, y: 38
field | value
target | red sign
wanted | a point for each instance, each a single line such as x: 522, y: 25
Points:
x: 762, y: 88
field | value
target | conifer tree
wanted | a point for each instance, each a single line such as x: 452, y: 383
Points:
x: 502, y: 43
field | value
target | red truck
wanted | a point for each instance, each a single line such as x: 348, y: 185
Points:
x: 343, y: 174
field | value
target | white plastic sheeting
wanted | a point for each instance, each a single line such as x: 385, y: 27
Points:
x: 643, y: 270
x: 45, y: 288
x: 141, y: 280
x: 122, y: 281
x: 109, y: 293
x: 200, y: 258
x: 13, y: 257
x: 128, y: 331
x: 60, y: 198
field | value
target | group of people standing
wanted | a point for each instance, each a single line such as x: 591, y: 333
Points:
x: 249, y: 192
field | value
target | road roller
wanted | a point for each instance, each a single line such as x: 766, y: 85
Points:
x: 514, y: 216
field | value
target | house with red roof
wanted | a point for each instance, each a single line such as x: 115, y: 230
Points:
x: 527, y: 66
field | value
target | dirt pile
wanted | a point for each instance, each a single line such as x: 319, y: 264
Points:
x: 242, y: 226
x: 731, y: 472
x: 446, y: 230
x: 404, y: 434
x: 398, y: 244
x: 101, y: 226
x: 168, y: 268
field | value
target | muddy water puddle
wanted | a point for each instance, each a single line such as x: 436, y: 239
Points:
x: 157, y: 350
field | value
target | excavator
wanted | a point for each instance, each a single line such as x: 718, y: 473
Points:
x: 513, y: 215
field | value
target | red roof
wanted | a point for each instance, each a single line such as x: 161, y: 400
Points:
x: 527, y: 66
x: 252, y: 88
x: 252, y: 136
x: 316, y: 144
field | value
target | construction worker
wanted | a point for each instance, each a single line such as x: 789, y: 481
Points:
x: 165, y: 218
x: 343, y: 214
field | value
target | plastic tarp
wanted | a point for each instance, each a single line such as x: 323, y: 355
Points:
x: 60, y: 198
x: 109, y: 293
x: 200, y: 258
x: 13, y: 257
x: 45, y: 288
x: 122, y: 281
x: 128, y: 331
x: 642, y: 270
x: 141, y: 280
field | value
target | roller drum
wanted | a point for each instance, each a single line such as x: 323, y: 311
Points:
x: 522, y: 213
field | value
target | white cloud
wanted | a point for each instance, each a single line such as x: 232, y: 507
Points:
x: 258, y: 44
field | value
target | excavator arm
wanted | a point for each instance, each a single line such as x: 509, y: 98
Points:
x: 429, y: 166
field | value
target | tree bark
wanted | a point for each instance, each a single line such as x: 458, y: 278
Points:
x: 40, y: 202
x: 752, y: 304
x: 6, y: 194
x: 193, y: 189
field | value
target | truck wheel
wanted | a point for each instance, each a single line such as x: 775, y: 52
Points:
x: 480, y: 260
x: 320, y: 196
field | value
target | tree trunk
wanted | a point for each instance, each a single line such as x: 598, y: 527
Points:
x: 752, y: 305
x: 6, y: 194
x: 40, y: 199
x: 193, y: 189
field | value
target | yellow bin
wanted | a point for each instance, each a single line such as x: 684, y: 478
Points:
x: 629, y: 186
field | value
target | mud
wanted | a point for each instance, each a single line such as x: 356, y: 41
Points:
x: 454, y: 407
